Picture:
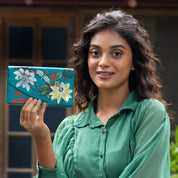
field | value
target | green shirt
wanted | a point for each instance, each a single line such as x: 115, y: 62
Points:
x: 133, y: 144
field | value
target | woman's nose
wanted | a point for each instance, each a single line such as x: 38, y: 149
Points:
x: 104, y: 61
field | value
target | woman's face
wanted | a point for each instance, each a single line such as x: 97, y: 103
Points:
x: 110, y: 60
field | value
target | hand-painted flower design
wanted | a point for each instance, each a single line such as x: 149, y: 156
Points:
x: 60, y: 91
x: 43, y: 76
x: 25, y: 78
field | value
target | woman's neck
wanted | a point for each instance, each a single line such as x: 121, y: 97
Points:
x: 109, y: 103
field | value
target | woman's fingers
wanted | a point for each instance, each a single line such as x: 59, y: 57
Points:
x: 23, y: 111
x: 34, y: 110
x: 29, y: 112
x: 33, y: 122
x: 42, y: 111
x: 27, y: 102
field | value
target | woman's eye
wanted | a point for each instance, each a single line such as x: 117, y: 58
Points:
x: 117, y: 53
x: 94, y: 53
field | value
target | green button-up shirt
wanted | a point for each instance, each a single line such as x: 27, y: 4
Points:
x: 133, y: 144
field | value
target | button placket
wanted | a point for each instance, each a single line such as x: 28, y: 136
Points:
x: 101, y: 155
x: 102, y: 142
x: 102, y: 150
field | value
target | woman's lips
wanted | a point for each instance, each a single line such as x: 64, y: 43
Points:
x: 105, y: 74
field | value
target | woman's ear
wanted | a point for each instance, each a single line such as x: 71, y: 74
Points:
x: 132, y: 67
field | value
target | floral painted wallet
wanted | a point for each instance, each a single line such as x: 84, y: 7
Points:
x: 55, y: 86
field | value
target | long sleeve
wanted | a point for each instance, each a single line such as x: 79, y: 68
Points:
x: 151, y: 158
x: 63, y: 148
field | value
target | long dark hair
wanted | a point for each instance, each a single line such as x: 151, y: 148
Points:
x: 143, y: 80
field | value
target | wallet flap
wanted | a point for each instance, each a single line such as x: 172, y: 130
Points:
x: 51, y: 85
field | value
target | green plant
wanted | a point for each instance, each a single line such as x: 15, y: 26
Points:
x: 174, y: 175
x: 174, y: 156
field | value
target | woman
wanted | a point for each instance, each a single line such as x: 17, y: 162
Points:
x: 122, y: 126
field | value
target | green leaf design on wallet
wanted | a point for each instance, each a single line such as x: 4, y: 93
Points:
x: 45, y: 87
x: 45, y: 92
x: 59, y: 75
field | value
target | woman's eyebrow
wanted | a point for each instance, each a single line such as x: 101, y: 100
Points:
x: 118, y: 46
x: 115, y: 46
x: 95, y: 46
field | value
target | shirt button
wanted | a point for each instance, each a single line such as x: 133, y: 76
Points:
x: 101, y: 155
x: 103, y: 131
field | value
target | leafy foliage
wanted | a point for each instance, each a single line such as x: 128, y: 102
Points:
x: 174, y: 156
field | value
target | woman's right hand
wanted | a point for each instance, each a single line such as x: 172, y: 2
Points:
x: 32, y: 121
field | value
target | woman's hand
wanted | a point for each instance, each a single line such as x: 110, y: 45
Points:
x: 32, y: 121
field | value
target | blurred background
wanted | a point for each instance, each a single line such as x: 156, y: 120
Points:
x: 41, y: 33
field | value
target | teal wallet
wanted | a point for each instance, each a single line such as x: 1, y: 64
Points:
x: 55, y: 86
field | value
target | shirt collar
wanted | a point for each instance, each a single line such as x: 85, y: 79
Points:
x: 89, y: 117
x: 130, y: 102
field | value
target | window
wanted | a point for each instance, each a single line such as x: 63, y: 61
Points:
x: 33, y: 44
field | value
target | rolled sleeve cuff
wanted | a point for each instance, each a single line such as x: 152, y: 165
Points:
x: 43, y: 172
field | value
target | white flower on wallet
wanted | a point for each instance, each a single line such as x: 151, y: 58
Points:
x: 60, y: 91
x: 25, y: 78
